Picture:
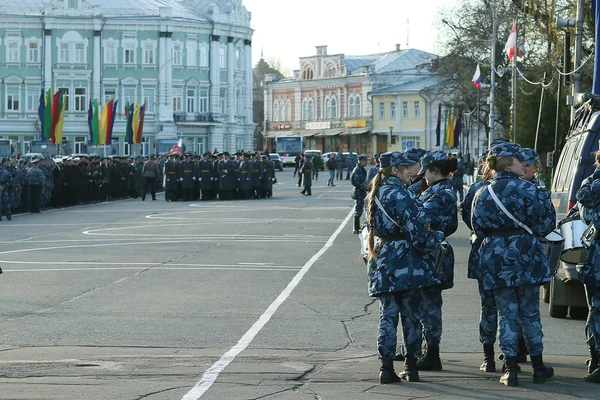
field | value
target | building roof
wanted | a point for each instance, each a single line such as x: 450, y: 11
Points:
x: 393, y: 61
x: 412, y: 85
x: 188, y: 9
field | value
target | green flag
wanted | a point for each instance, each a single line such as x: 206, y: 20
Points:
x: 48, y: 115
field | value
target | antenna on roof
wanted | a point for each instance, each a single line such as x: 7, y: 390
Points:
x: 407, y: 32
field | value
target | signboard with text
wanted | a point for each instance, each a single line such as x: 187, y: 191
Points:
x: 318, y: 125
x: 356, y: 123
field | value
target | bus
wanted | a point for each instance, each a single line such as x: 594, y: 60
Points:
x: 288, y: 147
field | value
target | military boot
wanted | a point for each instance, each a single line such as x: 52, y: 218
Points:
x: 510, y: 376
x: 593, y: 375
x: 542, y: 373
x: 503, y: 359
x: 522, y: 352
x: 386, y: 371
x: 356, y: 225
x: 592, y: 362
x: 489, y: 365
x: 410, y: 373
x: 431, y: 360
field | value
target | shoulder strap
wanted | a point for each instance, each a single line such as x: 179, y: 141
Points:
x: 385, y: 212
x: 505, y: 211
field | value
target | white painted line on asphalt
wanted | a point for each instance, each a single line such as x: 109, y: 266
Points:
x: 210, y: 376
x: 148, y: 264
x: 151, y: 268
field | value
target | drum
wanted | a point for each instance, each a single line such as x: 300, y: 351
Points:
x: 573, y: 251
x: 553, y: 246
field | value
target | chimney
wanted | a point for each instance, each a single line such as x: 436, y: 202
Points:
x: 398, y: 47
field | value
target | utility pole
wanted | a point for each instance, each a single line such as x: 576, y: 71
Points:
x: 578, y: 39
x: 514, y: 82
x: 493, y: 77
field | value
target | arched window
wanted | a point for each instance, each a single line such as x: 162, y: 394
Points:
x: 333, y: 108
x: 305, y: 110
x: 307, y: 72
x: 351, y: 106
x: 310, y: 110
x: 276, y: 111
x: 357, y: 111
x: 287, y: 115
x: 327, y: 109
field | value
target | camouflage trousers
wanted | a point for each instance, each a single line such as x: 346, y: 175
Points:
x: 4, y: 203
x: 392, y: 307
x: 431, y: 315
x: 592, y: 325
x: 488, y: 321
x: 16, y: 198
x: 519, y: 310
x: 359, y: 207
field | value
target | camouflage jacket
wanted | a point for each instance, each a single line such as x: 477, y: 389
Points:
x: 359, y: 181
x: 439, y: 204
x: 372, y: 172
x: 465, y: 208
x: 36, y: 176
x: 589, y: 197
x: 403, y: 264
x: 510, y: 260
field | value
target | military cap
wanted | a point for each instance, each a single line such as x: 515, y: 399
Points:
x: 430, y: 158
x: 376, y: 156
x: 225, y: 153
x: 392, y: 158
x: 415, y: 154
x: 21, y: 160
x: 530, y: 155
x: 206, y: 154
x: 498, y: 141
x: 362, y: 158
x: 173, y: 155
x: 507, y: 150
x: 35, y: 160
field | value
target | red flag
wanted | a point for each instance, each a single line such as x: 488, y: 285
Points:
x: 176, y: 147
x: 512, y: 42
x: 109, y: 124
x: 141, y: 125
x: 55, y: 112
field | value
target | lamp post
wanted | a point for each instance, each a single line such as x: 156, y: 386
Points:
x: 391, y: 135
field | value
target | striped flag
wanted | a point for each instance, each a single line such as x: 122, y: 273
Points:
x: 41, y: 113
x: 58, y: 131
x: 48, y: 115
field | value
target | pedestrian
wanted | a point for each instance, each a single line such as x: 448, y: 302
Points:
x: 510, y: 215
x: 439, y: 204
x: 358, y: 178
x: 400, y: 264
x: 589, y: 197
x: 306, y: 175
x: 340, y: 165
x: 150, y: 172
x: 297, y: 164
x: 171, y: 178
x: 225, y: 169
x: 6, y: 184
x: 300, y: 167
x: 331, y: 165
x: 188, y: 178
x: 317, y: 162
x: 36, y: 179
x: 349, y: 164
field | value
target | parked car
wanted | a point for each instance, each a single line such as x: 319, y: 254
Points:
x: 313, y: 154
x: 276, y: 161
x: 326, y: 156
x: 565, y: 293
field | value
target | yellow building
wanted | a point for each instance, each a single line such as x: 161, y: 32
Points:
x: 404, y: 116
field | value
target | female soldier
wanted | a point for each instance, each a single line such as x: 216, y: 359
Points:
x: 400, y: 264
x: 439, y: 204
x: 532, y: 166
x: 589, y: 197
x: 512, y: 261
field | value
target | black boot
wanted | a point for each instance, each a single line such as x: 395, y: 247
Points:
x: 386, y: 371
x: 510, y: 376
x: 593, y: 375
x: 399, y: 357
x: 522, y: 352
x: 410, y: 373
x: 489, y: 365
x: 592, y: 362
x: 503, y: 359
x: 356, y: 225
x: 542, y: 373
x: 431, y: 360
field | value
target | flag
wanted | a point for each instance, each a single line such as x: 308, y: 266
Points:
x: 512, y: 42
x: 450, y: 130
x: 41, y: 114
x: 135, y: 122
x: 90, y: 118
x: 457, y: 128
x: 438, y: 126
x: 129, y: 127
x: 176, y: 147
x: 445, y: 124
x: 55, y: 110
x: 95, y: 123
x: 103, y: 124
x: 140, y: 128
x: 58, y: 132
x: 477, y: 77
x: 48, y: 115
x: 111, y: 118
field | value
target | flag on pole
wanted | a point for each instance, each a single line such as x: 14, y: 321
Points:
x: 135, y: 122
x: 129, y: 126
x: 90, y: 118
x: 512, y: 42
x: 112, y: 115
x: 140, y: 128
x: 103, y: 124
x: 58, y: 132
x: 48, y: 115
x: 176, y: 149
x: 477, y: 77
x: 95, y: 118
x: 55, y: 110
x: 450, y: 130
x: 41, y: 113
x: 438, y: 127
x: 457, y: 128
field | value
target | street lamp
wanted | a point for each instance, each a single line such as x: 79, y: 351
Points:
x: 392, y: 141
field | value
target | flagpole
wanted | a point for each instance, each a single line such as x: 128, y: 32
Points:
x: 514, y: 82
x: 537, y: 130
x: 492, y: 114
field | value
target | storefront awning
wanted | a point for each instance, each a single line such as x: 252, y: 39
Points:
x: 330, y: 132
x: 273, y: 134
x: 356, y: 131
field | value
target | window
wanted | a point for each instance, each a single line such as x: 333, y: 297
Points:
x: 190, y: 101
x: 65, y: 90
x: 81, y: 144
x: 276, y: 111
x: 129, y: 53
x: 64, y: 53
x: 148, y: 54
x: 33, y: 98
x: 177, y: 54
x: 129, y: 95
x: 239, y: 58
x: 239, y: 100
x: 357, y: 112
x: 110, y: 53
x: 12, y: 98
x: 13, y: 55
x: 287, y: 111
x: 405, y: 109
x: 79, y: 53
x: 410, y: 141
x: 72, y: 4
x: 417, y: 110
x: 223, y: 57
x: 333, y: 108
x: 393, y: 110
x: 223, y: 99
x: 191, y: 54
x: 381, y: 110
x: 148, y: 99
x: 310, y: 110
x: 177, y: 99
x: 33, y: 52
x: 81, y: 99
x: 328, y: 109
x: 305, y: 110
x: 201, y: 146
x: 203, y: 100
x: 203, y: 55
x: 109, y: 94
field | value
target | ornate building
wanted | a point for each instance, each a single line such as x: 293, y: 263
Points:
x: 190, y: 61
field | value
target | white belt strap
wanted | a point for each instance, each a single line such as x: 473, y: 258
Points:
x: 505, y: 211
x: 385, y: 212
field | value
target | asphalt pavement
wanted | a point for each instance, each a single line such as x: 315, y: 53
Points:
x: 258, y: 299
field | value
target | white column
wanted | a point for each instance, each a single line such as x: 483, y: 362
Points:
x: 169, y: 74
x: 215, y: 79
x: 248, y: 93
x: 345, y: 104
x: 231, y: 92
x: 96, y: 73
x: 322, y: 104
x: 47, y: 59
x: 163, y: 111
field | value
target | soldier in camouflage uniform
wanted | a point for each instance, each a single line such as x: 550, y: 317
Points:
x: 417, y: 183
x: 589, y: 198
x: 439, y: 204
x: 36, y: 182
x: 23, y: 205
x: 15, y: 194
x: 400, y: 264
x: 358, y: 178
x: 48, y: 182
x: 6, y: 185
x: 373, y: 171
x: 512, y: 260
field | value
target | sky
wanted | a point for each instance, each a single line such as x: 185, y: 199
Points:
x: 287, y: 30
